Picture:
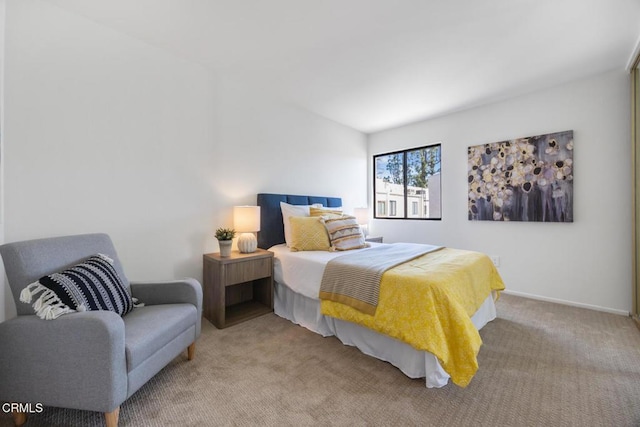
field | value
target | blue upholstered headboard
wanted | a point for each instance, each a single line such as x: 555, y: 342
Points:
x: 271, y: 226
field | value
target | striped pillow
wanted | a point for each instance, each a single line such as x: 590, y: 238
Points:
x: 92, y: 285
x: 344, y: 233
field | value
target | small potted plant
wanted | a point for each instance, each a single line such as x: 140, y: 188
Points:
x: 224, y: 236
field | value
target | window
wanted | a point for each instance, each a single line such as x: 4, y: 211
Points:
x: 392, y: 208
x: 408, y: 182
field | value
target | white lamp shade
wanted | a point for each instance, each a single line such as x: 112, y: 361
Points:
x: 246, y: 219
x: 362, y: 215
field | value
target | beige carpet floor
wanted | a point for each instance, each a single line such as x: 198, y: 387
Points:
x: 541, y: 364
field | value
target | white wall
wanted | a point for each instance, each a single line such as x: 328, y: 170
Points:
x: 587, y: 262
x: 107, y: 134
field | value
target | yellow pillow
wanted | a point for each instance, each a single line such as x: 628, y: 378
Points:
x: 329, y: 212
x: 308, y: 233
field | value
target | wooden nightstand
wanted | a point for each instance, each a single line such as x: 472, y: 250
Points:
x: 238, y: 287
x: 374, y: 239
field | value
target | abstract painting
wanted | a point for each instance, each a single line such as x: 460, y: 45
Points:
x: 524, y: 179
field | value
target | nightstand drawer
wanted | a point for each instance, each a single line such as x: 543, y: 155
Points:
x: 239, y: 272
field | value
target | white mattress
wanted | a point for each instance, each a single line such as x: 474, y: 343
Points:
x: 298, y: 275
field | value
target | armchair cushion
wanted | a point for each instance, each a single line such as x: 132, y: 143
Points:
x: 171, y: 292
x: 150, y: 328
x: 91, y: 285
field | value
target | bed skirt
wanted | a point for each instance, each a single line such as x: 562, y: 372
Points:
x: 305, y: 312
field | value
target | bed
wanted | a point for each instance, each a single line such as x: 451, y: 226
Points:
x: 297, y: 277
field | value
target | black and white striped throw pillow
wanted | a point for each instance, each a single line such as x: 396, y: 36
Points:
x: 92, y: 285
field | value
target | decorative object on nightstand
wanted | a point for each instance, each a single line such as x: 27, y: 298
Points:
x: 225, y: 239
x: 238, y: 287
x: 362, y: 218
x: 246, y: 220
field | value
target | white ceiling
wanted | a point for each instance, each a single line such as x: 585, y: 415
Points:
x: 375, y: 64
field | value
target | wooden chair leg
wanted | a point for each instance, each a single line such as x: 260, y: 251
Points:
x: 191, y: 351
x: 19, y: 418
x: 112, y: 417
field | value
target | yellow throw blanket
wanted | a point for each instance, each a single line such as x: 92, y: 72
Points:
x: 428, y: 303
x: 354, y: 279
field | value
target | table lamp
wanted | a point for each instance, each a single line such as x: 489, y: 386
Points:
x: 246, y: 220
x: 362, y: 218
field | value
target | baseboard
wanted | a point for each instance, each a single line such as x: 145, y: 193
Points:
x: 565, y: 302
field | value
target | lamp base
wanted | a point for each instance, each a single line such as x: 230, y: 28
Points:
x: 247, y: 243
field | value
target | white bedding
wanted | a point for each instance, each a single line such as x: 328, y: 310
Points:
x: 298, y: 276
x: 302, y: 271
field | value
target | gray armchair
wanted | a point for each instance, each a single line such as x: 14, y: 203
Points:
x: 92, y: 360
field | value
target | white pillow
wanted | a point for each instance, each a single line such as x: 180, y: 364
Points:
x: 287, y: 212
